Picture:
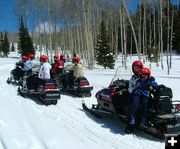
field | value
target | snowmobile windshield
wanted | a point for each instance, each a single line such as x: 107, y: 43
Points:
x: 121, y: 74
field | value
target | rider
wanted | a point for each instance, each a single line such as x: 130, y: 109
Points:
x: 18, y: 72
x: 43, y: 74
x: 78, y: 68
x: 28, y: 63
x: 62, y: 57
x: 57, y: 66
x: 136, y: 68
x: 139, y: 99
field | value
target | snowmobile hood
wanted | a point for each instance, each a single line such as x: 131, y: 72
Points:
x: 104, y: 94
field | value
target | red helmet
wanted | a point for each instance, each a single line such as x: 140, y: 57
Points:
x: 76, y: 59
x: 146, y: 71
x: 62, y: 56
x: 137, y: 63
x: 44, y: 58
x: 31, y: 56
x: 24, y: 57
x: 56, y: 56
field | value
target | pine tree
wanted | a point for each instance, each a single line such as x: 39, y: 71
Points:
x: 25, y: 45
x: 104, y: 55
x: 1, y: 42
x: 5, y: 45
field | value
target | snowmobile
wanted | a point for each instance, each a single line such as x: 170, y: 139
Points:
x: 48, y: 93
x: 80, y: 86
x: 16, y: 75
x: 163, y: 113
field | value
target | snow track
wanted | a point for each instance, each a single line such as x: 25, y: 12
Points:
x: 28, y: 124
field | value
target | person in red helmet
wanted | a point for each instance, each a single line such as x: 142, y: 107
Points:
x: 139, y: 99
x: 28, y: 63
x: 18, y: 72
x: 57, y: 67
x: 43, y: 74
x: 22, y: 61
x: 78, y: 68
x: 62, y: 57
x: 136, y: 69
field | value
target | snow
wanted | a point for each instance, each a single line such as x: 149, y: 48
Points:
x: 28, y: 124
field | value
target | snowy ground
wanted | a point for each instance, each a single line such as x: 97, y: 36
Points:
x: 27, y: 124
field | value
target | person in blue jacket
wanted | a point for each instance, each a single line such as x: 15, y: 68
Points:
x: 139, y: 99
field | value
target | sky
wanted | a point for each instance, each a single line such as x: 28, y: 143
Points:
x: 9, y: 22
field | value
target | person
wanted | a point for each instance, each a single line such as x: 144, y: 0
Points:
x: 136, y: 68
x: 22, y: 61
x: 43, y: 74
x: 44, y: 71
x: 18, y: 72
x: 139, y: 99
x: 57, y: 67
x: 62, y: 57
x: 78, y: 68
x: 28, y: 63
x: 75, y: 72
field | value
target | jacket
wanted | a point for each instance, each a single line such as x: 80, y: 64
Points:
x: 78, y: 70
x: 132, y: 83
x: 44, y: 72
x: 57, y: 66
x: 142, y: 87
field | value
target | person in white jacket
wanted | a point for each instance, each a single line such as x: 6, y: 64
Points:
x: 43, y: 74
x: 44, y: 71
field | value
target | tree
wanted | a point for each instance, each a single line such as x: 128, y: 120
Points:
x: 25, y: 44
x: 1, y: 42
x: 104, y: 54
x: 5, y: 45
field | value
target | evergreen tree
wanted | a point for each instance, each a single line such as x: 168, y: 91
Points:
x: 25, y: 44
x: 5, y: 45
x: 104, y: 55
x: 1, y: 42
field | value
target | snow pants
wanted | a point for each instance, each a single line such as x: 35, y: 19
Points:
x: 138, y: 103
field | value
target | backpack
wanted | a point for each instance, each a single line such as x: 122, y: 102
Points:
x: 163, y: 102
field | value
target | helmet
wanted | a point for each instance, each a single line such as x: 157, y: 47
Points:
x: 62, y: 56
x: 43, y: 58
x: 137, y: 63
x: 24, y: 57
x: 56, y: 56
x: 76, y: 59
x: 31, y: 56
x: 146, y: 71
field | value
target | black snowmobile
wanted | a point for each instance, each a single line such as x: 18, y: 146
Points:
x: 80, y: 86
x: 48, y: 93
x: 163, y: 113
x: 16, y: 74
